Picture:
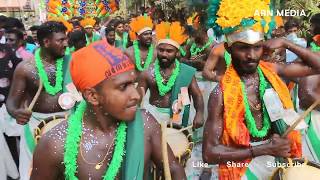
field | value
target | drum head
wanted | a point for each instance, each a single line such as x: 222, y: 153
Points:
x: 177, y: 141
x: 51, y: 124
x: 309, y: 171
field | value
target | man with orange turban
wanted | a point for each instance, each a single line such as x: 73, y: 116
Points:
x: 108, y: 136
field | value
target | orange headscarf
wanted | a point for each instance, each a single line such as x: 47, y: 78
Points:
x: 97, y: 62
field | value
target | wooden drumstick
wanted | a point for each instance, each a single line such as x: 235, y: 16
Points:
x: 143, y: 94
x: 301, y: 118
x: 166, y: 167
x: 35, y: 98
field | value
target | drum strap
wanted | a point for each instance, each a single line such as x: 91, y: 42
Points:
x: 66, y: 71
x: 183, y: 80
x: 29, y: 138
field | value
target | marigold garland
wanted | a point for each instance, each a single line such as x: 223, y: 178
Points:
x: 52, y: 90
x: 137, y: 56
x: 74, y: 133
x: 165, y: 88
x: 251, y: 124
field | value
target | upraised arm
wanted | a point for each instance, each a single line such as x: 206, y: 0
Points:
x: 310, y: 61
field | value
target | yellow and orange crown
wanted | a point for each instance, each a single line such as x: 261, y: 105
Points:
x: 87, y: 22
x: 171, y: 33
x: 140, y: 25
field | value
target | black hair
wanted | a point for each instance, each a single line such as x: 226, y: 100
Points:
x: 291, y: 23
x: 3, y: 20
x: 14, y: 23
x: 76, y: 36
x: 315, y: 19
x: 112, y: 22
x: 109, y: 29
x: 30, y: 40
x: 97, y: 20
x: 77, y: 18
x: 76, y: 23
x: 34, y: 28
x: 48, y: 28
x: 117, y: 22
x: 18, y: 33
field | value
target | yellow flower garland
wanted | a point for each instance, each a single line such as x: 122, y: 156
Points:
x: 231, y: 13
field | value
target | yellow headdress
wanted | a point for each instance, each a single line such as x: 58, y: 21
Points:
x: 140, y: 25
x: 173, y: 34
x: 87, y: 23
x: 241, y: 20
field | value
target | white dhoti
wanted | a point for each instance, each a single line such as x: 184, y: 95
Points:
x: 25, y: 153
x: 261, y: 167
x: 160, y: 114
x: 7, y: 164
x: 311, y: 137
x: 14, y: 129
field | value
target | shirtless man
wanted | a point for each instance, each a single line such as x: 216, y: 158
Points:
x: 242, y: 134
x: 53, y: 42
x: 110, y: 106
x: 245, y: 60
x: 165, y: 78
x: 142, y: 52
x: 309, y: 92
x: 198, y: 50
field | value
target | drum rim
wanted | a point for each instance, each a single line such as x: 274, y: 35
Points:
x: 185, y: 155
x: 279, y: 171
x: 38, y: 129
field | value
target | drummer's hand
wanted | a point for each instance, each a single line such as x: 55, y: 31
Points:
x: 22, y: 116
x: 198, y: 121
x: 279, y: 146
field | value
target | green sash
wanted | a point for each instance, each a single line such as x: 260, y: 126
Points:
x: 227, y: 58
x: 313, y: 137
x: 133, y: 164
x: 66, y: 71
x: 183, y: 80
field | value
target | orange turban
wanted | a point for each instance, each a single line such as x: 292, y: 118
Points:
x: 97, y: 62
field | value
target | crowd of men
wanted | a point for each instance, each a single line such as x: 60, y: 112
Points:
x: 116, y: 80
